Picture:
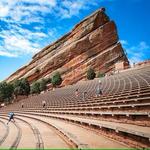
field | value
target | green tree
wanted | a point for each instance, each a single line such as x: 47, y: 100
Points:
x: 6, y: 91
x: 21, y: 87
x: 91, y: 74
x: 56, y: 79
x: 25, y: 86
x: 43, y: 84
x: 18, y: 91
x: 35, y: 88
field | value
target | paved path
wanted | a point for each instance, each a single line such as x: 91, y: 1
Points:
x: 49, y: 136
x: 136, y: 128
x: 115, y: 124
x: 27, y: 139
x: 2, y: 130
x: 87, y: 138
x: 11, y: 136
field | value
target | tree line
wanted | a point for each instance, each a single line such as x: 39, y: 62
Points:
x: 22, y: 87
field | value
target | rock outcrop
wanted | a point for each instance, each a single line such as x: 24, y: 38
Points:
x: 92, y: 43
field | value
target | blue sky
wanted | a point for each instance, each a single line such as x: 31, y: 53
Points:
x: 26, y: 26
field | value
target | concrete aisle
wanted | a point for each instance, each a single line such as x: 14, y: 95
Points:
x: 49, y: 136
x: 11, y: 136
x: 2, y: 129
x: 87, y: 138
x: 135, y: 128
x: 27, y: 138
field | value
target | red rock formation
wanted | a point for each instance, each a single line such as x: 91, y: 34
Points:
x: 92, y: 42
x: 143, y: 63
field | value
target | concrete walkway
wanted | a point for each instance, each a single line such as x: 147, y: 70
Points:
x: 87, y: 138
x: 27, y: 138
x: 135, y: 128
x: 49, y: 137
x: 11, y: 136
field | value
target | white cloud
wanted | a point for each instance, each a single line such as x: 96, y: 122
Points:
x: 4, y: 11
x: 143, y: 45
x: 3, y: 53
x: 136, y: 53
x: 124, y: 42
x: 19, y: 44
x: 25, y: 11
x: 71, y: 8
x: 41, y: 2
x: 16, y: 39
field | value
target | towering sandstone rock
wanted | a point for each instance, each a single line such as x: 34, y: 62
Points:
x: 92, y: 43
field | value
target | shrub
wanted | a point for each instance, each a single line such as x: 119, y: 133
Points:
x: 25, y: 86
x: 91, y: 74
x: 21, y: 87
x: 18, y: 91
x: 56, y: 79
x: 100, y: 75
x: 6, y: 91
x: 43, y: 83
x: 35, y: 88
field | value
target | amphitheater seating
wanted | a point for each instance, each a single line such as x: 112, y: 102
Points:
x: 123, y: 110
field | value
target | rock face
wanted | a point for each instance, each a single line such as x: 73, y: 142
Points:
x: 92, y: 43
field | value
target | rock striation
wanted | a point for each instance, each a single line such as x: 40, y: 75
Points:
x: 91, y: 43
